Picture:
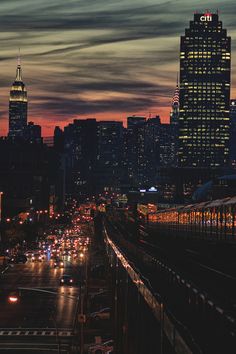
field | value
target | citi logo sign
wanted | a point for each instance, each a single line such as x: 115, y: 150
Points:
x: 206, y: 18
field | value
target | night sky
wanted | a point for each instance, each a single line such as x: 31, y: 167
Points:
x: 101, y: 59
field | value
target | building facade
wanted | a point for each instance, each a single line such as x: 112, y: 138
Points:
x: 110, y: 155
x: 232, y: 145
x: 32, y: 133
x: 81, y: 143
x: 205, y: 57
x: 18, y: 106
x: 136, y: 151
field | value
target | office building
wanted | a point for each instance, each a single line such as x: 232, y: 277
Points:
x: 205, y: 55
x: 33, y: 133
x: 81, y: 156
x: 18, y: 106
x: 136, y: 151
x: 232, y: 141
x: 110, y: 155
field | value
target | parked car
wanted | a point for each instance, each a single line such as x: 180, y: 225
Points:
x: 102, y: 348
x: 103, y: 314
x: 100, y: 300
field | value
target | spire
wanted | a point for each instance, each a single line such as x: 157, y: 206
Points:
x: 175, y: 100
x: 18, y: 70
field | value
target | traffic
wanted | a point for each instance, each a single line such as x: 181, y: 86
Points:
x: 48, y: 279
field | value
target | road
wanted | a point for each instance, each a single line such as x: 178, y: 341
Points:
x: 37, y: 311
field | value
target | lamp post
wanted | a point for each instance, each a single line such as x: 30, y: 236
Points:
x: 1, y: 194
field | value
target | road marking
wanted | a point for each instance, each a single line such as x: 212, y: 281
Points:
x: 43, y: 333
x: 36, y: 348
x: 216, y: 271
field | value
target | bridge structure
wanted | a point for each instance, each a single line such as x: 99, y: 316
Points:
x: 174, y: 279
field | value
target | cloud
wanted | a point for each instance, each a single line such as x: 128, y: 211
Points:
x: 97, y: 56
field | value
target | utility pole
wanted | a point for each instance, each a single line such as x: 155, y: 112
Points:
x: 82, y: 320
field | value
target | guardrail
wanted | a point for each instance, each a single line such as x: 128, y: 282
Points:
x: 169, y: 325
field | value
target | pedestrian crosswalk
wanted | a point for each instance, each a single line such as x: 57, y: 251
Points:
x: 38, y: 332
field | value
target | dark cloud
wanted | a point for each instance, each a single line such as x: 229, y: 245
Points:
x: 65, y: 107
x: 75, y: 48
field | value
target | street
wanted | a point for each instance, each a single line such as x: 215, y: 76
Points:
x: 44, y: 295
x: 36, y: 309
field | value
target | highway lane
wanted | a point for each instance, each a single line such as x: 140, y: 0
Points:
x: 37, y: 309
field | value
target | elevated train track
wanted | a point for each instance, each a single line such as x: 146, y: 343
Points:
x: 214, y: 220
x: 201, y: 293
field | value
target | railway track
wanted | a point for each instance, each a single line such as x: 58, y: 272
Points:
x: 199, y: 295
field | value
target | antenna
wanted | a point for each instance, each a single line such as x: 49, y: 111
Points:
x: 18, y: 59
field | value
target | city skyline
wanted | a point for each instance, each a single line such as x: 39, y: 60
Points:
x: 114, y: 60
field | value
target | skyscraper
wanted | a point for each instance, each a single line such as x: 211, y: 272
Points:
x: 32, y: 133
x: 136, y: 151
x: 17, y: 106
x: 205, y: 56
x: 81, y: 143
x: 110, y: 155
x: 174, y: 115
x: 232, y: 147
x: 174, y: 123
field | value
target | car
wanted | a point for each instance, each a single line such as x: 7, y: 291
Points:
x: 29, y: 253
x: 103, y: 314
x: 36, y: 257
x: 58, y: 263
x: 67, y: 280
x: 18, y: 258
x: 102, y: 348
x: 100, y: 299
x: 100, y: 292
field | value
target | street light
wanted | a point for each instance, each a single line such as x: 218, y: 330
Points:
x: 1, y: 194
x: 13, y: 299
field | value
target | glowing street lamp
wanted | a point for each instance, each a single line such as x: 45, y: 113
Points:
x: 13, y: 298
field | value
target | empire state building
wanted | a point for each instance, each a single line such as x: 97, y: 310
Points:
x: 17, y: 106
